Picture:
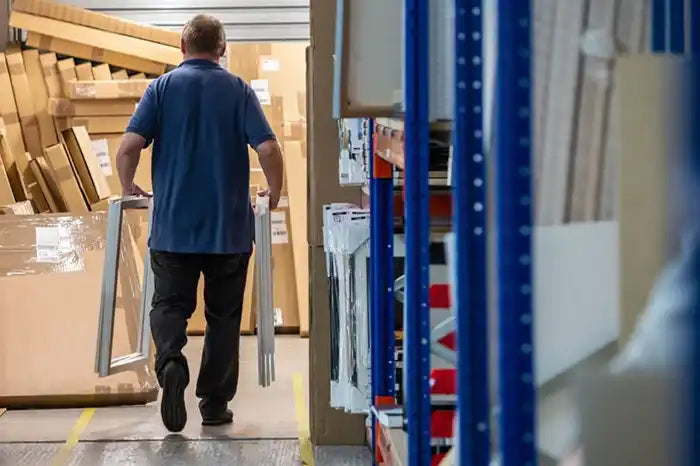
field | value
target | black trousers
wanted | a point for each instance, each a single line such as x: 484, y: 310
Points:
x: 176, y: 277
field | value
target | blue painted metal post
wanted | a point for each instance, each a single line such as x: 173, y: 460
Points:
x: 381, y: 280
x: 668, y: 26
x: 659, y: 17
x: 514, y: 214
x: 694, y: 14
x: 417, y: 310
x: 470, y: 235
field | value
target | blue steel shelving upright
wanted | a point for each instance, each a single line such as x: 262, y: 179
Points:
x: 469, y: 227
x: 417, y: 203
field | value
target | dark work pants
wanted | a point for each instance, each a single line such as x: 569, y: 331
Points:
x: 176, y: 277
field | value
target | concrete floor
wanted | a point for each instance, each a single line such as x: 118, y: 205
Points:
x: 265, y: 429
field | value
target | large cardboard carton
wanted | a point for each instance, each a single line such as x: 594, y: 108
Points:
x: 90, y: 108
x: 75, y: 15
x: 84, y: 72
x: 87, y: 166
x: 78, y: 50
x: 138, y: 76
x: 40, y: 96
x: 284, y: 287
x: 106, y: 146
x: 102, y: 124
x: 122, y: 89
x: 96, y: 38
x: 8, y: 109
x: 49, y: 368
x: 65, y: 179
x: 25, y: 109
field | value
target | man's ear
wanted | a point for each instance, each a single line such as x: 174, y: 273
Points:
x: 183, y: 49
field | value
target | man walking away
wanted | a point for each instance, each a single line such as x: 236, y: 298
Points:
x: 201, y: 120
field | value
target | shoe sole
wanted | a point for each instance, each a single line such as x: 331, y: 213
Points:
x: 172, y: 408
x: 218, y: 422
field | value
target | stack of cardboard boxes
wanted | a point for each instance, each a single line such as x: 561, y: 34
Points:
x: 66, y: 97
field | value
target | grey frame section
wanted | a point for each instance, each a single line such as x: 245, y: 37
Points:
x: 265, y: 320
x: 104, y: 364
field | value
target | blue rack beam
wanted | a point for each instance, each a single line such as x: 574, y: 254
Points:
x: 381, y: 280
x: 514, y: 216
x: 694, y: 22
x: 469, y: 227
x: 417, y: 310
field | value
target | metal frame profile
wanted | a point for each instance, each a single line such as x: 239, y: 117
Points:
x: 513, y: 133
x: 104, y: 364
x: 417, y: 302
x: 265, y: 320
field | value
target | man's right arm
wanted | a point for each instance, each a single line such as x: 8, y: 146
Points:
x: 270, y: 156
x: 261, y: 137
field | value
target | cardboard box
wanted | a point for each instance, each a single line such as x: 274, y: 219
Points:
x: 122, y: 89
x: 86, y: 164
x: 284, y: 289
x: 120, y: 75
x: 49, y: 368
x: 102, y: 124
x: 35, y: 193
x: 52, y: 77
x: 11, y: 168
x: 295, y: 168
x: 84, y: 72
x: 49, y: 194
x: 96, y: 38
x: 13, y: 129
x: 71, y: 108
x: 77, y: 50
x: 106, y: 146
x: 40, y: 96
x: 137, y: 76
x: 102, y: 72
x: 65, y: 178
x: 75, y: 15
x: 66, y: 70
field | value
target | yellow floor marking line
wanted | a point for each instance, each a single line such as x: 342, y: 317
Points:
x: 306, y: 450
x: 66, y: 451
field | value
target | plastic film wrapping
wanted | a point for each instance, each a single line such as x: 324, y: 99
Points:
x: 49, y: 311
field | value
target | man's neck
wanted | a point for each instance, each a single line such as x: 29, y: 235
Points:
x: 202, y: 56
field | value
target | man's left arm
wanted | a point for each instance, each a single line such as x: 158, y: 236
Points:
x: 139, y: 134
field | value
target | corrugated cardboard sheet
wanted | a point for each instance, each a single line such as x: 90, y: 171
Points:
x: 48, y: 338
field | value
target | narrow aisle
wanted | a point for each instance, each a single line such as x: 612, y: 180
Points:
x: 260, y: 413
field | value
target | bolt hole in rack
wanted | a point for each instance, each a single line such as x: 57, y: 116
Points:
x: 418, y: 70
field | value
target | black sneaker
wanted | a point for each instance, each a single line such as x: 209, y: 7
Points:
x: 223, y: 417
x: 172, y: 408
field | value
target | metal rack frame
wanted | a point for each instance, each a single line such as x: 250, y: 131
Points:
x: 514, y: 219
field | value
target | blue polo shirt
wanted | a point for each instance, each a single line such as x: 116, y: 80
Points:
x: 201, y: 120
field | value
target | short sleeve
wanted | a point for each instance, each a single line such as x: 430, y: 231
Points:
x: 144, y: 120
x: 257, y: 129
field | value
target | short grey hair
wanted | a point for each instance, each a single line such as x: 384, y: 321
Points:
x: 204, y: 34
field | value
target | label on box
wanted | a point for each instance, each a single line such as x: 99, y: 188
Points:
x: 262, y: 90
x: 48, y: 244
x: 101, y: 149
x: 270, y: 64
x: 280, y: 235
x: 278, y: 317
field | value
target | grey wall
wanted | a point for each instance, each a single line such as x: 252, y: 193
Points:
x: 245, y: 20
